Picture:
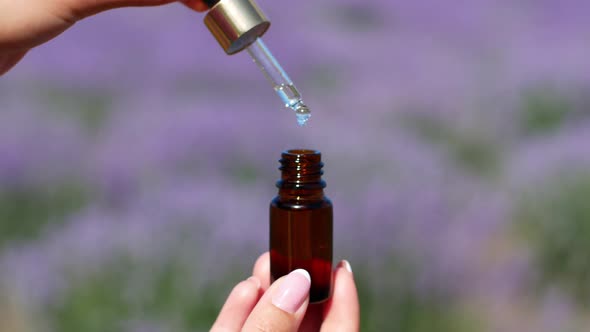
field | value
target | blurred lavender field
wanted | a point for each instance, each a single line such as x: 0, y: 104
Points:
x: 137, y: 162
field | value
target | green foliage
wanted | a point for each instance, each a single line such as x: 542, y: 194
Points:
x: 475, y: 154
x: 245, y: 174
x: 468, y: 149
x: 25, y: 212
x: 395, y: 305
x: 89, y: 107
x: 97, y: 305
x: 543, y: 112
x: 326, y: 77
x: 127, y: 291
x: 555, y: 218
x: 353, y: 17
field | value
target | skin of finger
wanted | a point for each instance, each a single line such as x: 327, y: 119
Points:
x: 266, y: 317
x: 261, y: 270
x: 25, y: 24
x: 197, y: 5
x: 237, y: 307
x: 7, y: 61
x: 342, y: 312
x: 79, y: 9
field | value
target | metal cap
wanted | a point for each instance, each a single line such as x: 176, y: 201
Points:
x: 236, y: 24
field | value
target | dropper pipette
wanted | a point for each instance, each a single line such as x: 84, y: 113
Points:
x: 238, y: 25
x: 279, y: 80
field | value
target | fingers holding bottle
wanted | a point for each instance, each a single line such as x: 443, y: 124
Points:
x: 283, y: 306
x: 342, y: 312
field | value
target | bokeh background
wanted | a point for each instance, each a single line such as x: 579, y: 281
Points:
x: 137, y: 162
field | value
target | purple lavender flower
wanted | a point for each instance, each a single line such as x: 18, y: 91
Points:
x: 183, y: 163
x: 34, y: 147
x: 542, y: 157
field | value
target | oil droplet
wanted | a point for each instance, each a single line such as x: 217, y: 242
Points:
x: 302, y: 118
x: 302, y: 113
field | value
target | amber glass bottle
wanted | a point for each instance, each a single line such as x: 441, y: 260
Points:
x: 301, y: 222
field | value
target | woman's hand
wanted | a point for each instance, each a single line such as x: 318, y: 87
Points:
x: 25, y: 24
x: 255, y: 305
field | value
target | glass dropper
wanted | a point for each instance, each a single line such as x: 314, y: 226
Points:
x: 279, y: 80
x: 239, y: 24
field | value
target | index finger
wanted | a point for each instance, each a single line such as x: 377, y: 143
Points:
x: 198, y: 5
x: 342, y: 310
x: 83, y: 8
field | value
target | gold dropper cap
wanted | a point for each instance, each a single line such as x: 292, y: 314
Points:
x: 236, y: 24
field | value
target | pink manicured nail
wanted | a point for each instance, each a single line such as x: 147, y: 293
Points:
x: 292, y: 291
x: 346, y: 265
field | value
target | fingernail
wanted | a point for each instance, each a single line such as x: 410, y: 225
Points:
x: 292, y: 291
x: 346, y: 265
x: 255, y: 281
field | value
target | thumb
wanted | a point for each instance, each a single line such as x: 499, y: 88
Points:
x: 282, y: 307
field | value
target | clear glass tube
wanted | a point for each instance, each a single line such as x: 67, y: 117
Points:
x: 279, y: 80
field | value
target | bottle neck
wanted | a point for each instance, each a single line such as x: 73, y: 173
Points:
x: 301, y: 176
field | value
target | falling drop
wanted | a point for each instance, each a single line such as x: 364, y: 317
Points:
x: 302, y: 119
x: 302, y: 113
